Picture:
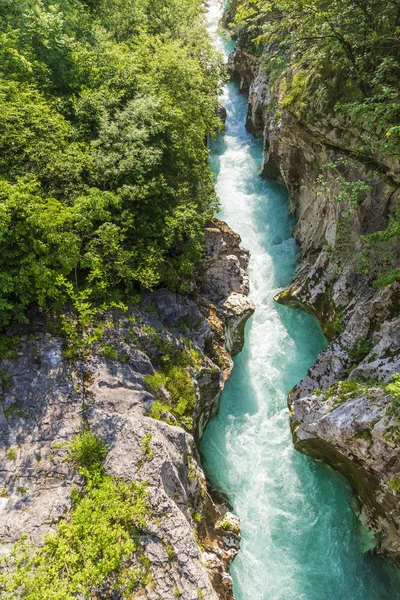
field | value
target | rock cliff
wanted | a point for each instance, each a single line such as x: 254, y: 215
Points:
x: 341, y: 412
x: 120, y: 385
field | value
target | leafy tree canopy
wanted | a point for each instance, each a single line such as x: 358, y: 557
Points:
x: 105, y: 107
x: 325, y: 51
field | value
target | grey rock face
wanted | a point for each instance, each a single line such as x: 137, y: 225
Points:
x: 243, y: 68
x: 221, y: 112
x: 224, y: 282
x: 45, y: 399
x: 223, y: 286
x: 353, y: 433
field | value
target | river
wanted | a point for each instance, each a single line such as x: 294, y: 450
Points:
x: 301, y: 539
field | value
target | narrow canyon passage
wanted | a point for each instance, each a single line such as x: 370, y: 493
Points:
x: 301, y: 539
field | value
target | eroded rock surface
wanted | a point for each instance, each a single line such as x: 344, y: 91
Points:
x: 354, y: 431
x: 189, y: 539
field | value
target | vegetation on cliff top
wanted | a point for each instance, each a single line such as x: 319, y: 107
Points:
x: 104, y: 180
x: 334, y: 55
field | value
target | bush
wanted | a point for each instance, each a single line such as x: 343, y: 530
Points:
x: 87, y: 452
x: 97, y: 545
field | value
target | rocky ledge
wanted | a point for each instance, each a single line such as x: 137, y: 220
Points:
x: 120, y: 385
x: 341, y: 412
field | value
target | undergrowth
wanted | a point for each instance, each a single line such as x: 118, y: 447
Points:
x: 175, y: 377
x: 394, y: 408
x: 96, y: 547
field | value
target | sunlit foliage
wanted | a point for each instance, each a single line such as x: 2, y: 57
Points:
x: 105, y: 108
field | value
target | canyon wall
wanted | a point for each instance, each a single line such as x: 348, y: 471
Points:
x: 109, y: 388
x: 342, y: 412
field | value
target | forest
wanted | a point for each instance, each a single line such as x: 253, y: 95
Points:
x: 105, y: 108
x: 341, y: 55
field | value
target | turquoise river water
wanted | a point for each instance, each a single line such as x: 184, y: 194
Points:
x: 300, y: 537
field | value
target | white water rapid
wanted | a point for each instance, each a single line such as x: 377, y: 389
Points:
x: 301, y: 539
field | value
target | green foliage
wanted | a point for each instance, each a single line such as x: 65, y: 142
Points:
x: 341, y: 49
x: 176, y: 366
x: 15, y: 410
x: 335, y: 326
x: 109, y: 352
x: 351, y: 388
x: 170, y: 553
x: 9, y: 346
x: 11, y: 454
x: 394, y: 484
x: 379, y: 259
x: 4, y: 380
x: 375, y: 255
x: 145, y: 446
x: 97, y: 545
x: 360, y: 350
x: 104, y: 181
x: 394, y: 409
x: 394, y: 388
x: 178, y: 382
x: 87, y: 452
x: 197, y: 517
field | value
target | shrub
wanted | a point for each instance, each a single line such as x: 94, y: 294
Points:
x: 98, y: 544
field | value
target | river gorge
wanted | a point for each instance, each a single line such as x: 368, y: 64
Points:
x: 301, y: 538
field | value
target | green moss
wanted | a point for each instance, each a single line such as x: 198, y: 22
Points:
x: 11, y: 454
x: 394, y: 484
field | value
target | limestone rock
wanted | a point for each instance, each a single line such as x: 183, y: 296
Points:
x: 45, y: 399
x: 354, y: 434
x: 360, y: 321
x: 221, y: 112
x: 243, y: 68
x: 224, y: 282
